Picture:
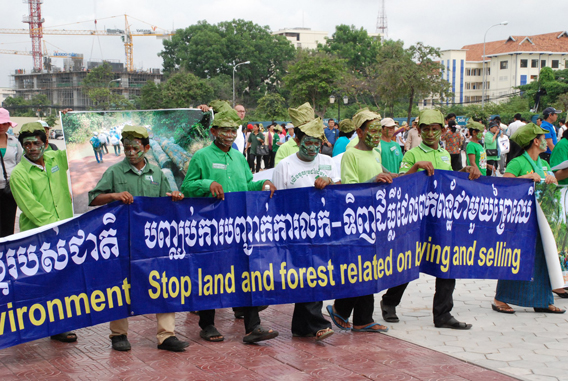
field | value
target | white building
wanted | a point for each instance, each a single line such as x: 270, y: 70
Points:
x: 509, y: 63
x: 304, y: 38
x: 5, y: 93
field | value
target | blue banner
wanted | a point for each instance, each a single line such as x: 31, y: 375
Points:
x: 302, y: 245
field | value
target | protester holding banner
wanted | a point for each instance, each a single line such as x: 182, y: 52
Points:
x: 135, y: 176
x: 528, y: 165
x: 214, y: 170
x: 10, y: 155
x: 476, y: 154
x: 558, y: 156
x: 429, y: 156
x: 40, y: 188
x: 361, y: 164
x: 307, y: 168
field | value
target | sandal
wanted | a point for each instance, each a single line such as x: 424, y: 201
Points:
x: 335, y: 316
x: 324, y: 333
x: 65, y: 337
x: 504, y: 308
x: 260, y: 334
x: 552, y: 309
x: 369, y: 328
x: 453, y: 323
x: 210, y: 333
x: 562, y: 295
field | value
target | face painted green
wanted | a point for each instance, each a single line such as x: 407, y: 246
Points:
x: 431, y: 134
x: 34, y: 148
x: 373, y: 134
x: 543, y: 145
x: 309, y: 148
x: 480, y: 135
x: 226, y: 136
x: 133, y: 150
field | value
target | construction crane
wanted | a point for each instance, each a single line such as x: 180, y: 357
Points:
x: 36, y: 32
x: 46, y: 55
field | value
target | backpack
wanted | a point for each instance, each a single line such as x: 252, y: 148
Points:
x: 96, y: 142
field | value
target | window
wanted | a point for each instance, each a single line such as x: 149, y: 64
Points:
x: 524, y: 63
x: 554, y: 64
x: 534, y: 63
x: 504, y: 65
x: 534, y: 77
x: 543, y: 63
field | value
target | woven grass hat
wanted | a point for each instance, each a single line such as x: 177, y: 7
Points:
x: 304, y: 118
x: 364, y: 115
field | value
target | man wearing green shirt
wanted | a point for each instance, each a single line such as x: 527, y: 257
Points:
x: 40, y: 188
x: 391, y: 154
x: 558, y: 156
x: 123, y: 181
x: 429, y: 156
x: 214, y: 170
x: 360, y: 164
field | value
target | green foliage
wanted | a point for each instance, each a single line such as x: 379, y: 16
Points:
x: 313, y: 77
x: 18, y: 106
x: 554, y: 83
x: 272, y: 107
x: 97, y: 86
x: 355, y: 46
x: 209, y: 50
x: 181, y: 90
x: 51, y: 120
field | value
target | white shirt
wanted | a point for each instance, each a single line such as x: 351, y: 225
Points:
x: 240, y: 140
x: 514, y: 127
x: 291, y: 172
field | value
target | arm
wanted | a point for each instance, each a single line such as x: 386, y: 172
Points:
x: 561, y: 174
x: 550, y: 144
x: 27, y: 202
x: 194, y: 185
x: 408, y: 143
x: 103, y: 193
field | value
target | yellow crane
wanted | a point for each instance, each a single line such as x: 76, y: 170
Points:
x: 126, y: 35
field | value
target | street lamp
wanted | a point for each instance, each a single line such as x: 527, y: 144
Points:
x: 108, y: 86
x: 483, y: 86
x: 332, y: 101
x: 235, y: 69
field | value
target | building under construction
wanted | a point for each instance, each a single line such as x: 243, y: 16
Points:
x: 63, y: 86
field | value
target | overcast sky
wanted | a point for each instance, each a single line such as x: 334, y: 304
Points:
x: 447, y: 24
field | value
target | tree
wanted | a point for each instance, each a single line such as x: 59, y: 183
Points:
x: 545, y: 92
x: 355, y: 46
x: 210, y: 50
x: 313, y: 78
x: 272, y: 107
x: 97, y: 86
x: 185, y: 90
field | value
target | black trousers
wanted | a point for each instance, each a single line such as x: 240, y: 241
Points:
x: 495, y: 164
x: 307, y: 319
x: 456, y: 161
x: 7, y: 214
x: 252, y: 318
x: 361, y: 306
x: 443, y: 299
x: 259, y: 159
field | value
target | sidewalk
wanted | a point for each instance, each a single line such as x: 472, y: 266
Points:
x: 526, y: 345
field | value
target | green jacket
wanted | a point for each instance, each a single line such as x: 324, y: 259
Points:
x: 121, y: 177
x: 210, y: 164
x: 42, y: 195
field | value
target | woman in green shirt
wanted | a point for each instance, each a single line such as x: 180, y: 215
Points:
x: 560, y: 155
x: 491, y: 146
x: 476, y: 156
x: 537, y: 293
x: 255, y: 139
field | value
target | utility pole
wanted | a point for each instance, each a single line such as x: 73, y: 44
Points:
x: 382, y: 26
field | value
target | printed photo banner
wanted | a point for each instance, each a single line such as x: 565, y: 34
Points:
x: 302, y: 245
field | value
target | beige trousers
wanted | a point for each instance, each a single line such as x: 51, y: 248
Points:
x: 166, y: 326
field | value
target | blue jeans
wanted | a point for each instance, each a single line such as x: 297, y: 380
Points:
x: 117, y: 149
x: 98, y: 154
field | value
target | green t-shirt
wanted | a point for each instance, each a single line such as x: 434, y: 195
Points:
x: 121, y: 177
x: 439, y: 158
x: 520, y: 166
x: 559, y: 155
x: 358, y: 166
x: 391, y: 155
x: 490, y: 145
x: 353, y: 142
x: 228, y: 169
x: 254, y: 142
x: 480, y: 158
x: 42, y: 195
x: 285, y: 150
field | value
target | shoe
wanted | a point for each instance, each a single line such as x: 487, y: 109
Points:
x: 369, y: 328
x: 120, y: 343
x: 454, y: 324
x: 260, y: 334
x: 239, y: 312
x: 562, y: 295
x: 65, y: 337
x: 173, y: 344
x: 389, y: 313
x: 553, y: 310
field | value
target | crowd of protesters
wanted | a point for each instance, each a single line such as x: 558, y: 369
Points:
x: 303, y: 153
